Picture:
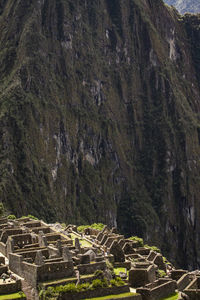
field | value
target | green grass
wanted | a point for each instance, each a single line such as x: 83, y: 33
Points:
x: 120, y: 296
x: 83, y: 242
x: 63, y: 281
x: 12, y: 296
x: 173, y: 297
x: 118, y: 270
x: 98, y: 226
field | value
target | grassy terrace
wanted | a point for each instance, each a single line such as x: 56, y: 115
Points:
x: 118, y: 270
x: 63, y: 281
x: 173, y: 297
x: 83, y: 242
x: 14, y: 296
x: 120, y: 296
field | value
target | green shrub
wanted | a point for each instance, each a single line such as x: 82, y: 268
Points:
x: 50, y: 291
x: 45, y: 294
x: 69, y: 288
x: 97, y: 283
x: 99, y: 274
x: 72, y: 288
x: 32, y: 217
x: 137, y: 239
x: 97, y: 226
x: 154, y: 248
x: 29, y: 216
x: 83, y: 287
x: 166, y: 261
x: 161, y: 273
x: 82, y: 227
x: 117, y: 282
x: 11, y: 217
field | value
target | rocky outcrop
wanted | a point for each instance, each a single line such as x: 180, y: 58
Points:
x: 99, y: 117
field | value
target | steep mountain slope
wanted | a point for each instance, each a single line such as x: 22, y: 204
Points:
x: 183, y: 6
x: 99, y: 115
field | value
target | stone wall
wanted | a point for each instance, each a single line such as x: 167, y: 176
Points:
x: 96, y: 293
x: 43, y: 229
x: 29, y: 272
x: 8, y: 232
x: 159, y: 289
x: 56, y: 270
x: 10, y: 287
x: 22, y: 239
x: 3, y: 269
x: 126, y: 264
x: 193, y: 289
x: 143, y: 251
x: 177, y: 274
x: 33, y: 224
x: 139, y: 276
x: 32, y: 253
x: 2, y: 260
x: 91, y: 268
x: 183, y: 282
x: 15, y: 263
x: 3, y: 220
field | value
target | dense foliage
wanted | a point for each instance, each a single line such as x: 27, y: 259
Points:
x: 97, y: 226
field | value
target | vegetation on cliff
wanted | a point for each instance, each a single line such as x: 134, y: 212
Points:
x: 99, y: 117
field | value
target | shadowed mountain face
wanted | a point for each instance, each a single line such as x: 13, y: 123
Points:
x: 184, y: 6
x: 99, y: 117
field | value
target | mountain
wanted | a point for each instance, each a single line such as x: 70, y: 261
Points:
x: 99, y: 117
x: 184, y: 6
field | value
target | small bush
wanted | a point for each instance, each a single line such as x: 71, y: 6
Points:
x: 97, y: 283
x: 154, y: 248
x: 83, y: 287
x: 166, y: 261
x: 97, y: 226
x: 70, y: 288
x: 29, y: 216
x: 45, y: 294
x: 137, y: 239
x: 99, y: 274
x: 161, y: 273
x: 50, y: 291
x: 117, y: 282
x: 32, y: 217
x: 11, y: 217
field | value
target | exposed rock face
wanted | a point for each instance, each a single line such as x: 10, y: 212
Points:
x: 99, y: 117
x: 184, y: 6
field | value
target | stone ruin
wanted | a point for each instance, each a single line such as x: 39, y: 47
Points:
x: 39, y: 253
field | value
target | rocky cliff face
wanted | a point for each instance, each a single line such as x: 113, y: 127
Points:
x: 99, y: 117
x: 184, y: 6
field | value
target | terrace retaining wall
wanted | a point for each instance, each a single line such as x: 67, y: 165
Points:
x: 95, y: 293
